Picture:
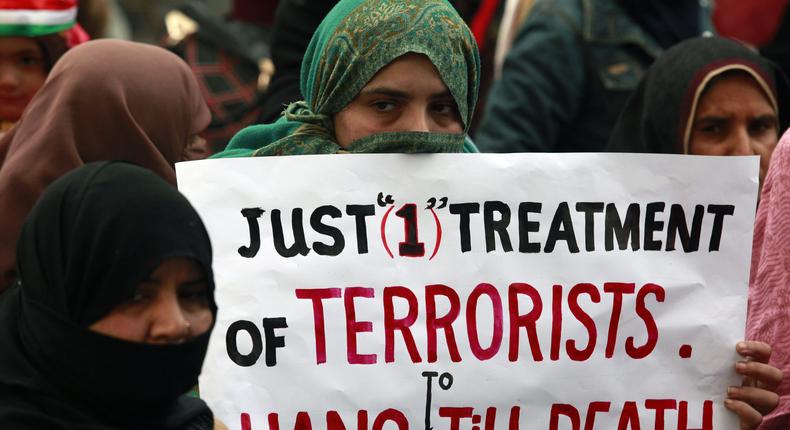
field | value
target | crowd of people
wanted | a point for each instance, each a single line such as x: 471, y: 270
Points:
x: 107, y: 298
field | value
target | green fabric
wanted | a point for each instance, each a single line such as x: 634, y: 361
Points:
x: 32, y: 30
x: 356, y: 40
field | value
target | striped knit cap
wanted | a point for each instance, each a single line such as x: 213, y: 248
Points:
x: 33, y: 18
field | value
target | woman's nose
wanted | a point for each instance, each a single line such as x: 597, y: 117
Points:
x: 740, y: 143
x: 416, y: 119
x: 167, y: 321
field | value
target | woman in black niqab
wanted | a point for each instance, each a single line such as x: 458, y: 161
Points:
x: 93, y: 236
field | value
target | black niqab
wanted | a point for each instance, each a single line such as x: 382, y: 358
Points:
x: 91, y: 238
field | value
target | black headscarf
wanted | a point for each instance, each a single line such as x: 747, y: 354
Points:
x: 657, y: 114
x: 92, y: 237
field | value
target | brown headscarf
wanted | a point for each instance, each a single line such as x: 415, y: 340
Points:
x: 103, y: 100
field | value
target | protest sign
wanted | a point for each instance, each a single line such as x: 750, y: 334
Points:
x: 471, y: 291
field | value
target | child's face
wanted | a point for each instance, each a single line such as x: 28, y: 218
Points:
x: 22, y: 73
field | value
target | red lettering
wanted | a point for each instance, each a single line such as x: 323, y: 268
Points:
x: 303, y: 421
x: 245, y: 422
x: 391, y: 323
x: 617, y: 289
x: 568, y: 411
x: 353, y: 326
x: 707, y: 416
x: 660, y: 406
x: 528, y: 321
x: 445, y: 323
x: 556, y: 322
x: 471, y: 321
x: 588, y: 323
x: 274, y: 421
x: 490, y: 418
x: 650, y: 322
x: 455, y: 415
x: 393, y: 415
x: 317, y: 295
x: 334, y: 421
x: 592, y: 409
x: 513, y: 423
x: 362, y: 420
x: 629, y: 418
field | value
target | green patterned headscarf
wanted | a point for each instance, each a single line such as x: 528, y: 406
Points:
x: 356, y: 40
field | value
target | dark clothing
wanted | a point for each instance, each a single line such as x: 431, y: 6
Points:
x: 570, y: 71
x: 657, y: 116
x: 93, y: 236
x: 668, y: 22
x: 224, y: 55
x: 294, y: 25
x: 778, y: 50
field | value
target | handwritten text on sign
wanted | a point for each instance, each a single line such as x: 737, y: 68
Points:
x: 469, y: 292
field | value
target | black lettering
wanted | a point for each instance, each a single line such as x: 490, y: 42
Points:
x: 525, y: 227
x: 652, y: 226
x: 300, y: 245
x: 232, y: 347
x: 315, y: 221
x: 589, y: 209
x: 496, y: 226
x: 562, y: 229
x: 359, y: 212
x: 252, y: 215
x: 464, y: 210
x: 719, y: 212
x: 272, y: 340
x: 677, y: 226
x: 622, y: 230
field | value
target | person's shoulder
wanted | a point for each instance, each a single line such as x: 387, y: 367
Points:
x: 571, y: 12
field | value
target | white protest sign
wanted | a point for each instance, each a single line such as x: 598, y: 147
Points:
x: 475, y: 291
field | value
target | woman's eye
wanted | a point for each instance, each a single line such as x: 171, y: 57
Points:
x: 194, y: 294
x: 444, y: 108
x: 711, y: 129
x: 383, y: 106
x: 140, y: 297
x: 759, y: 127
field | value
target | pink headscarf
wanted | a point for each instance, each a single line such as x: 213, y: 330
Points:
x: 768, y: 319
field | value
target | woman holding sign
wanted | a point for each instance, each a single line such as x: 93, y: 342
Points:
x: 389, y: 76
x: 110, y: 320
x: 376, y: 80
x: 712, y: 96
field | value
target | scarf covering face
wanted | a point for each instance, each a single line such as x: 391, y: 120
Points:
x: 92, y: 237
x: 104, y: 100
x: 769, y: 284
x: 356, y: 40
x: 658, y: 116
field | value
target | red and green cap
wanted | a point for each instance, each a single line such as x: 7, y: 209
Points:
x: 32, y: 18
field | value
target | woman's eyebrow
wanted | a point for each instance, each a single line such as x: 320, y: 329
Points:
x: 194, y: 282
x: 711, y: 118
x: 446, y: 94
x: 386, y: 91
